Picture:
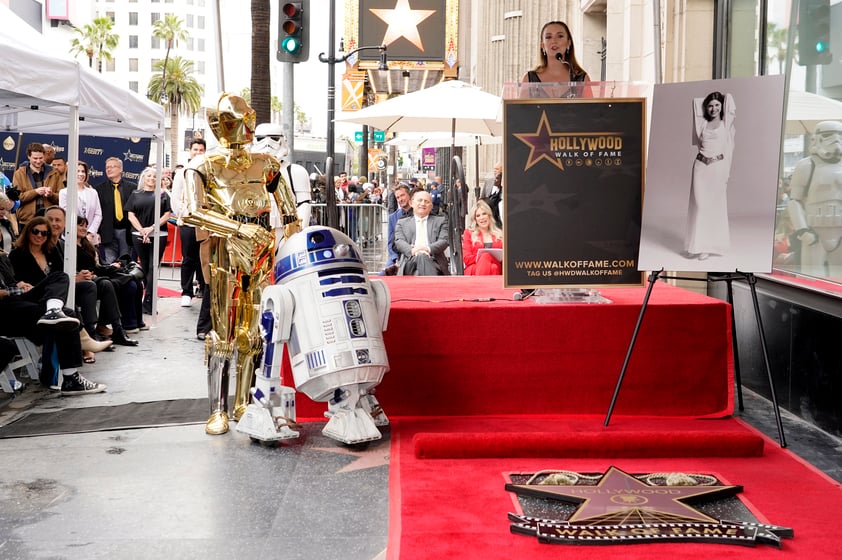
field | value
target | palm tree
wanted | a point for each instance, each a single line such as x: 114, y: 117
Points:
x: 777, y: 38
x: 261, y: 88
x: 277, y: 106
x: 181, y: 92
x: 96, y: 41
x: 171, y: 30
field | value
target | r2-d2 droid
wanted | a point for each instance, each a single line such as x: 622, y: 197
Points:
x: 332, y: 318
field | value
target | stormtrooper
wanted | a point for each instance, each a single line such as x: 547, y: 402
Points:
x: 269, y: 139
x: 332, y: 318
x: 815, y: 206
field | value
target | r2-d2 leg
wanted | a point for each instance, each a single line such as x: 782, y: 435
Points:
x: 271, y: 415
x: 354, y: 415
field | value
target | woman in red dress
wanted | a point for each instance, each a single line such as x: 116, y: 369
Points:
x: 482, y: 233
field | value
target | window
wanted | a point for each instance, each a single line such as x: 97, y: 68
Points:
x: 200, y: 22
x: 189, y: 21
x: 156, y: 43
x: 110, y: 65
x: 200, y: 67
x: 132, y: 41
x: 190, y: 43
x: 155, y: 64
x: 132, y: 18
x: 155, y: 16
x: 110, y: 15
x: 133, y: 65
x: 200, y: 45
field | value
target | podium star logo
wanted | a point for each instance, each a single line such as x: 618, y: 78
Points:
x: 620, y: 498
x: 402, y: 21
x: 539, y: 144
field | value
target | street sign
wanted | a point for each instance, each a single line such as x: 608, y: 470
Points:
x: 358, y: 136
x: 379, y: 136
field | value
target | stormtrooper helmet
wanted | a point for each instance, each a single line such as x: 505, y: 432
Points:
x: 269, y: 138
x: 827, y: 141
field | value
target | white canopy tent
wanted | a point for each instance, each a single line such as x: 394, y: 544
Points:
x: 43, y: 93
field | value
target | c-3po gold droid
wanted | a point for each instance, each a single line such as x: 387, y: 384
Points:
x: 228, y: 192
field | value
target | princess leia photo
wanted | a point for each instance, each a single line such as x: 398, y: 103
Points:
x: 707, y: 216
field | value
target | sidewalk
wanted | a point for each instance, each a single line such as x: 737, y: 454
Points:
x: 175, y: 492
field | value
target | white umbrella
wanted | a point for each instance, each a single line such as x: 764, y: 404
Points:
x: 805, y: 110
x: 453, y: 106
x: 442, y: 140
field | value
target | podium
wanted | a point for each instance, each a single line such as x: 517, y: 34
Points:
x: 573, y: 184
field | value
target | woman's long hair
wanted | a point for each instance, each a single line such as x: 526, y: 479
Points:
x: 476, y: 234
x: 570, y: 56
x: 83, y: 242
x: 22, y: 242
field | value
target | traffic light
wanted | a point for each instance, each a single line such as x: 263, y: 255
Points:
x: 814, y: 32
x: 293, y: 32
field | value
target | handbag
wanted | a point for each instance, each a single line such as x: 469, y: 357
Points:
x: 131, y: 268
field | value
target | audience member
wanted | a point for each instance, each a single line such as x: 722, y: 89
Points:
x: 404, y: 209
x: 141, y: 213
x: 87, y: 202
x: 113, y: 194
x: 37, y: 309
x: 481, y: 233
x: 56, y: 179
x: 8, y: 231
x: 191, y: 266
x: 422, y: 239
x: 435, y: 193
x: 29, y: 179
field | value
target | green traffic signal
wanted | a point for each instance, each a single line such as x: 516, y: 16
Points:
x: 290, y: 45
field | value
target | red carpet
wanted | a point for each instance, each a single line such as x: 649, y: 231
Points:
x: 455, y: 508
x: 451, y: 355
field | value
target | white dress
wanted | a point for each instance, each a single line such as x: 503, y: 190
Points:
x: 707, y: 216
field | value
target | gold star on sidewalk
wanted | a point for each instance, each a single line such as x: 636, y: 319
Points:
x: 403, y: 21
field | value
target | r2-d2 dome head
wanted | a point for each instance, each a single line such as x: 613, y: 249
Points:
x: 269, y: 139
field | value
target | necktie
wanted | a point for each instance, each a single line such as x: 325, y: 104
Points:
x: 118, y: 204
x: 421, y: 232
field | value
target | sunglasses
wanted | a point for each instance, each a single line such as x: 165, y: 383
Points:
x: 41, y: 232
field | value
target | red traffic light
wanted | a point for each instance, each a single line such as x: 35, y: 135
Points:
x: 291, y: 9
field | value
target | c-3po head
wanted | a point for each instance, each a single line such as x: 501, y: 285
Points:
x: 232, y: 122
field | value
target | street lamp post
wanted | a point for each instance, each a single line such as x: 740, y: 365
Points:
x: 331, y: 61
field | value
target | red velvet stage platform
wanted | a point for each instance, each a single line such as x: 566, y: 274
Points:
x: 460, y: 346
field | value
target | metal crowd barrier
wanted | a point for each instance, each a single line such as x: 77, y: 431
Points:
x: 366, y: 224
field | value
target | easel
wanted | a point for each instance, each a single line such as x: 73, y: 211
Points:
x: 751, y: 279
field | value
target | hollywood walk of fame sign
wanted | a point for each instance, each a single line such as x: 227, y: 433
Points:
x: 623, y: 509
x: 572, y: 191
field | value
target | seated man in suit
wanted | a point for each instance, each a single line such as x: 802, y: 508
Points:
x: 422, y: 239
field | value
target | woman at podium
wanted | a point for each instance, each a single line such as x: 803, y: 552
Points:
x: 482, y: 243
x: 557, y: 63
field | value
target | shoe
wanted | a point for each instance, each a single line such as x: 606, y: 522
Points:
x: 88, y: 357
x: 119, y: 337
x: 77, y: 385
x: 56, y: 319
x: 104, y: 331
x: 143, y: 327
x: 186, y: 301
x: 147, y: 310
x: 91, y: 345
x: 133, y: 330
x: 202, y: 336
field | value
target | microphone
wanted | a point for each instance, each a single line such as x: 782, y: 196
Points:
x: 559, y: 56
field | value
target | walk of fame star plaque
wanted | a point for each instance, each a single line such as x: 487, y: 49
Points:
x: 618, y: 508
